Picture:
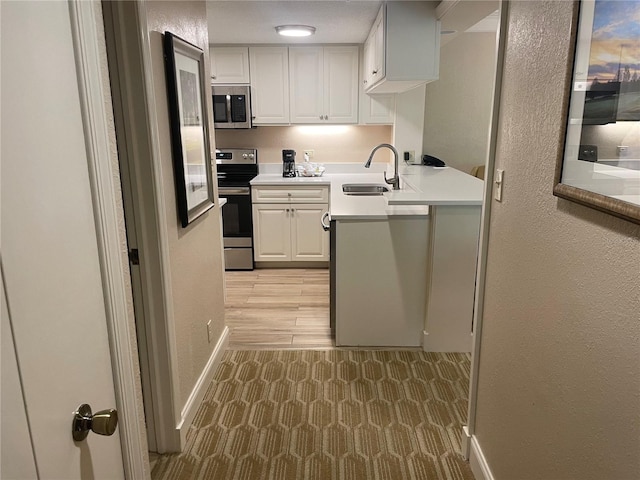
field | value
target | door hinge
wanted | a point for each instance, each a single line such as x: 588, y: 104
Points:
x: 134, y: 257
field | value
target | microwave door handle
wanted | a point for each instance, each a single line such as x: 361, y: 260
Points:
x: 229, y: 117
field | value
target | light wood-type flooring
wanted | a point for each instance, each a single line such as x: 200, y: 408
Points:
x: 278, y: 309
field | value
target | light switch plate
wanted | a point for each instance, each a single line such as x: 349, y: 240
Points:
x: 497, y: 192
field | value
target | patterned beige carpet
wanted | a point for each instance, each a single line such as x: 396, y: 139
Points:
x: 328, y: 415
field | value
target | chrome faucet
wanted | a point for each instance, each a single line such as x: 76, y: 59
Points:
x: 395, y: 180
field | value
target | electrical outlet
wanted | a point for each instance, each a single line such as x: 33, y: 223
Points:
x: 209, y: 330
x: 410, y: 156
x: 622, y: 150
x: 309, y: 153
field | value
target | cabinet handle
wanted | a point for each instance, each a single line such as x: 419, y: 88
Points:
x: 320, y: 117
x: 214, y: 77
x: 287, y: 210
x: 375, y: 72
x: 364, y: 81
x: 326, y: 117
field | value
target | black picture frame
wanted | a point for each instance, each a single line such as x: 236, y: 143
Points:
x: 580, y: 175
x: 184, y: 67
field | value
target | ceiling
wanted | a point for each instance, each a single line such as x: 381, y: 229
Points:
x: 336, y: 21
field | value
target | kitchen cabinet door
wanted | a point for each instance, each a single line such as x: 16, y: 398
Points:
x: 306, y: 82
x: 229, y: 65
x: 308, y: 240
x: 269, y: 85
x: 324, y: 84
x: 379, y: 50
x: 396, y: 64
x: 341, y: 84
x: 271, y: 232
x: 368, y: 59
x: 377, y: 109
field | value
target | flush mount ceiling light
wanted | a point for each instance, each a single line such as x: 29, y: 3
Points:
x: 295, y: 30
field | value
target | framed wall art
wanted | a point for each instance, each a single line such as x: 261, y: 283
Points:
x: 599, y: 163
x: 184, y: 64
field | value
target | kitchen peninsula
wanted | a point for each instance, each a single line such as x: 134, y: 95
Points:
x: 403, y: 263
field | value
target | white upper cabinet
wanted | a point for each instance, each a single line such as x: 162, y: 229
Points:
x: 306, y: 82
x: 402, y: 50
x: 341, y: 84
x: 269, y: 85
x: 229, y: 65
x: 374, y: 52
x: 376, y: 108
x: 323, y: 84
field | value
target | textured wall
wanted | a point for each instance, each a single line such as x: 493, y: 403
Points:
x: 559, y: 384
x: 341, y: 143
x: 195, y: 251
x: 458, y: 105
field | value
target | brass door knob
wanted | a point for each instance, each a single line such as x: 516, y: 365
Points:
x: 103, y: 422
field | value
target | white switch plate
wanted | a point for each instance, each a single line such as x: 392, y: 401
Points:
x: 497, y: 194
x: 309, y: 153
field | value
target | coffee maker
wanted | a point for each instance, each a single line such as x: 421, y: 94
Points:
x: 288, y: 163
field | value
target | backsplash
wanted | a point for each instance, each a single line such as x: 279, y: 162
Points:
x: 330, y: 143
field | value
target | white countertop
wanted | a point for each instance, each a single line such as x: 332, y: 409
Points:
x: 420, y: 187
x: 436, y: 186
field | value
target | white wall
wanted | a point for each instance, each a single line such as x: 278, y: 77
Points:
x: 559, y: 382
x: 458, y: 105
x: 409, y: 124
x: 194, y: 252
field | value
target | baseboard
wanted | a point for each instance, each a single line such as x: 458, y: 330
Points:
x: 200, y: 388
x: 478, y: 463
x: 466, y: 443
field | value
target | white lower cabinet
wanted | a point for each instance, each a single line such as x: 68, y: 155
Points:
x: 285, y: 231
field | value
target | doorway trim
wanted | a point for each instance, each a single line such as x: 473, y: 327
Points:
x: 107, y: 207
x: 470, y: 447
x: 130, y: 69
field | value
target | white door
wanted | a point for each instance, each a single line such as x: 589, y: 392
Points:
x: 229, y: 65
x: 306, y: 81
x: 308, y: 240
x: 269, y: 84
x: 271, y: 232
x: 341, y: 84
x: 49, y: 246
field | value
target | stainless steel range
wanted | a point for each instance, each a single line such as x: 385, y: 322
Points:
x: 236, y: 167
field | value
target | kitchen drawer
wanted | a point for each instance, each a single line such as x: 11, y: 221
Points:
x: 290, y: 194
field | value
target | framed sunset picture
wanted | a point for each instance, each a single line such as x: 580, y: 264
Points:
x: 599, y: 164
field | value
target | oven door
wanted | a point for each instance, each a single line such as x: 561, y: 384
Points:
x: 237, y: 227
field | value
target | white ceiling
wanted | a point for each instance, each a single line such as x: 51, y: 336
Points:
x: 336, y: 21
x: 249, y: 22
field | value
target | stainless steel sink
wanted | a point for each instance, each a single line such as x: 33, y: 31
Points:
x: 363, y: 189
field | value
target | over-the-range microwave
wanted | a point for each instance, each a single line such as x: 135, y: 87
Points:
x: 231, y: 106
